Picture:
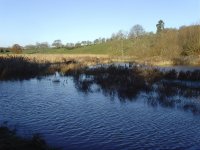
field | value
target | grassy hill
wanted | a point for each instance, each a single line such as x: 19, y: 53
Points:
x: 180, y: 45
x: 93, y: 49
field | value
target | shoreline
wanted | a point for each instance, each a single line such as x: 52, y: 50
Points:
x: 157, y: 61
x: 29, y: 66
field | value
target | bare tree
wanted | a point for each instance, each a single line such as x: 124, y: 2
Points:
x: 77, y: 45
x: 136, y: 31
x: 70, y: 45
x: 96, y: 41
x: 57, y: 44
x: 103, y: 40
x: 42, y: 45
x: 120, y: 35
x: 89, y: 43
x: 16, y: 48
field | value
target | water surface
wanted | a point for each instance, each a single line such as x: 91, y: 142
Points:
x: 75, y: 115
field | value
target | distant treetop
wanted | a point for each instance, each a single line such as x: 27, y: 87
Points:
x: 160, y: 26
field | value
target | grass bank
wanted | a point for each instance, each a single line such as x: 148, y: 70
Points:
x: 107, y: 58
x: 60, y: 58
x: 28, y: 66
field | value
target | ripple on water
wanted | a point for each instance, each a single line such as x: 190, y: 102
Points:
x: 74, y: 120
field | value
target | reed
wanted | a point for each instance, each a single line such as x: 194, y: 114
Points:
x: 24, y: 67
x: 20, y: 67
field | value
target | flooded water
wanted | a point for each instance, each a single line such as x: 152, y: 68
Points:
x: 73, y: 114
x: 179, y: 68
x: 161, y: 68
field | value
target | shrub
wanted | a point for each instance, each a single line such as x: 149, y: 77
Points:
x: 189, y: 39
x: 16, y: 48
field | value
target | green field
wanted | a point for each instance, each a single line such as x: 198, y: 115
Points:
x: 110, y: 48
x: 93, y: 49
x: 180, y: 46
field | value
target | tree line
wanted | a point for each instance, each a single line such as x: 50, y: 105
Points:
x: 165, y: 42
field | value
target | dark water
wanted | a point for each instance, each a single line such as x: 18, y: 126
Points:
x: 177, y: 68
x: 76, y: 116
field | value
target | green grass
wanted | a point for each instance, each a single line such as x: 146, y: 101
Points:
x: 110, y: 48
x: 93, y: 49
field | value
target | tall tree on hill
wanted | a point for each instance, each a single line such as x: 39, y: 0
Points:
x: 160, y: 26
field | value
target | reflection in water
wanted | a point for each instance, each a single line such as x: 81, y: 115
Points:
x: 184, y: 95
x: 113, y: 80
x: 179, y: 95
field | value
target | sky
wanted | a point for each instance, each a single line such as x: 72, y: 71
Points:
x: 30, y: 21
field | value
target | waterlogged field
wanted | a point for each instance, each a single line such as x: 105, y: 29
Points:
x: 105, y: 108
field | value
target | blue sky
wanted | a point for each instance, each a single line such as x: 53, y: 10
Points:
x: 31, y: 21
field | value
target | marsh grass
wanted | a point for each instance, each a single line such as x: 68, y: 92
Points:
x: 20, y: 67
x: 28, y: 66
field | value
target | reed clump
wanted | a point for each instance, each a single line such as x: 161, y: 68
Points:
x: 20, y: 68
